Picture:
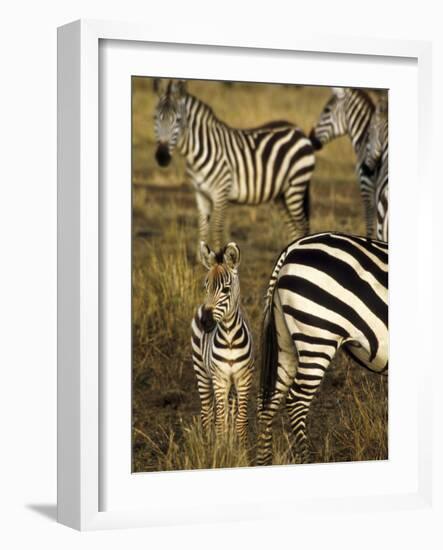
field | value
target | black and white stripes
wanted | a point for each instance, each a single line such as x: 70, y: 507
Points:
x: 222, y: 348
x: 271, y: 162
x: 327, y: 291
x: 349, y: 111
x: 382, y: 209
x: 376, y: 164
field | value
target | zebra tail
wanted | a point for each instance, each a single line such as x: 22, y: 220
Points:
x: 269, y: 356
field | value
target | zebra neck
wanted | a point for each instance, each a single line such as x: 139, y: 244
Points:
x: 202, y: 127
x: 232, y: 321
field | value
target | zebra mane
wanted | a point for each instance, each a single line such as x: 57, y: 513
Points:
x: 366, y: 99
x: 364, y: 95
x: 167, y: 103
x: 201, y: 106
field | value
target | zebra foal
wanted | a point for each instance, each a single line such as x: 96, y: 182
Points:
x: 327, y: 291
x: 222, y: 347
x: 225, y: 165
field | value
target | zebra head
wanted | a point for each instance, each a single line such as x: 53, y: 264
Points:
x: 169, y: 119
x: 332, y: 121
x: 222, y: 284
x: 374, y: 146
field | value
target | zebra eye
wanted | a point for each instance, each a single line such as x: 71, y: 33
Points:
x: 226, y: 289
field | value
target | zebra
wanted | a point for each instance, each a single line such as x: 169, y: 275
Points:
x: 327, y: 291
x: 228, y: 165
x: 349, y: 111
x: 222, y: 345
x: 377, y: 160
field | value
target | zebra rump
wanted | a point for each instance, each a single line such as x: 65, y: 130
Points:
x: 269, y: 344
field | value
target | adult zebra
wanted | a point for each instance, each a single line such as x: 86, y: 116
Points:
x: 349, y: 111
x: 222, y: 348
x: 377, y: 161
x: 326, y: 291
x: 224, y: 164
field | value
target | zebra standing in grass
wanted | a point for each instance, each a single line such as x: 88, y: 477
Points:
x: 222, y: 348
x: 349, y: 111
x: 327, y: 291
x: 224, y: 164
x: 377, y: 161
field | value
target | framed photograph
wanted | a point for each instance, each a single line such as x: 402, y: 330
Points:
x: 225, y: 222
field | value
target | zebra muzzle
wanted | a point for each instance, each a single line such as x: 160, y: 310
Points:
x: 162, y: 155
x: 367, y: 170
x: 207, y: 320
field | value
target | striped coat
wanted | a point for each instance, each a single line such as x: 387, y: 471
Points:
x: 377, y: 164
x: 273, y: 162
x: 222, y: 346
x: 327, y: 291
x: 349, y: 112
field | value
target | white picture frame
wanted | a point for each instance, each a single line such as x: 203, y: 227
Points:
x: 81, y: 413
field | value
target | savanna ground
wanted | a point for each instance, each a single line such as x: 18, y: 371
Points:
x: 348, y: 416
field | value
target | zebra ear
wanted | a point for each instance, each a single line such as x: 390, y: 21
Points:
x: 206, y: 255
x: 339, y: 92
x: 231, y: 255
x: 179, y: 88
x: 156, y: 86
x: 382, y: 105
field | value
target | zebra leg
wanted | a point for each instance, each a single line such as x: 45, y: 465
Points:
x: 286, y: 368
x: 268, y: 410
x: 204, y: 385
x: 233, y: 407
x: 370, y: 219
x: 207, y: 405
x: 296, y: 211
x: 205, y: 207
x: 315, y: 355
x: 242, y: 384
x: 298, y: 408
x: 218, y: 221
x: 204, y: 382
x: 221, y: 394
x: 288, y: 219
x: 367, y: 193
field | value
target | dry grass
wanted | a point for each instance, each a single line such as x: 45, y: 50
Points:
x: 191, y: 450
x: 348, y: 418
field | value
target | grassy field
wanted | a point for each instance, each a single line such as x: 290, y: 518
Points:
x: 348, y: 417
